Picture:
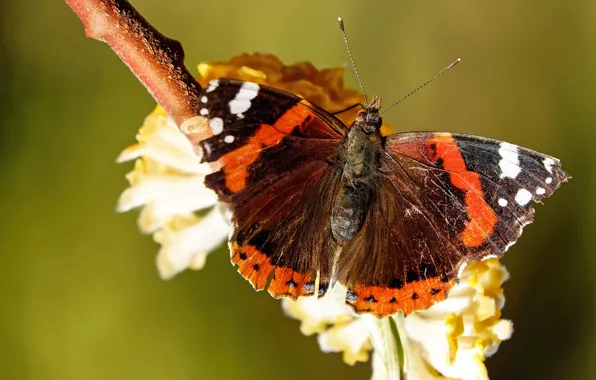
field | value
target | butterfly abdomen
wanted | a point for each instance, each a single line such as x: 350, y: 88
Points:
x: 349, y: 212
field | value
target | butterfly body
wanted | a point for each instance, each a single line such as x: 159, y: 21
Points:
x: 358, y: 157
x: 392, y: 218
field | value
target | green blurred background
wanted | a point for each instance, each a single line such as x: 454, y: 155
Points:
x: 81, y: 298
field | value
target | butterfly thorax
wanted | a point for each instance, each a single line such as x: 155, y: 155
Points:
x: 358, y: 158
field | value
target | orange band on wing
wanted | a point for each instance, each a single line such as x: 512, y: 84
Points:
x: 482, y: 217
x: 236, y: 163
x: 253, y: 265
x: 383, y: 301
x: 256, y: 267
x: 292, y: 284
x: 294, y: 117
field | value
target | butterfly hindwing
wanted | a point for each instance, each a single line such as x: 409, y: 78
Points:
x: 273, y: 155
x: 400, y: 260
x: 440, y: 202
x: 286, y: 233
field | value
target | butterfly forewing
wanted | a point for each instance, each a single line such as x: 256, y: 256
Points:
x: 498, y: 180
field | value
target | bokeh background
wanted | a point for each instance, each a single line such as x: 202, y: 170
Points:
x: 80, y: 295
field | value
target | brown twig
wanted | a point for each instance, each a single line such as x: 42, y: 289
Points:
x: 156, y: 60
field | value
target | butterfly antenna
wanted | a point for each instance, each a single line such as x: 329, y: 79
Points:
x: 343, y: 32
x: 423, y: 84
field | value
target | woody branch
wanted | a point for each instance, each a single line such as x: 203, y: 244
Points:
x: 157, y: 61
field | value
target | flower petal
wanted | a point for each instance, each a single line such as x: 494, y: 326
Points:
x: 156, y: 192
x: 317, y: 314
x: 189, y: 244
x: 350, y: 338
x: 348, y: 333
x: 161, y: 143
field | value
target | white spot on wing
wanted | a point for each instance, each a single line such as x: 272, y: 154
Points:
x: 540, y: 191
x: 216, y: 125
x: 249, y: 89
x: 204, y: 111
x: 548, y: 164
x: 212, y: 85
x: 203, y: 99
x: 229, y: 139
x: 502, y: 202
x: 241, y: 102
x: 523, y: 197
x: 239, y: 106
x: 548, y: 180
x: 509, y: 163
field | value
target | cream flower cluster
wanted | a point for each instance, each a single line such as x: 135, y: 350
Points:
x: 450, y: 340
x: 168, y: 182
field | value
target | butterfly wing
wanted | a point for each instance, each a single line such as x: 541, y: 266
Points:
x: 442, y: 199
x: 273, y: 153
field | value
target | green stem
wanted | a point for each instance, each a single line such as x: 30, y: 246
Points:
x: 386, y: 344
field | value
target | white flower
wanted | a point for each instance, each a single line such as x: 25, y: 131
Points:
x: 339, y: 329
x: 168, y: 182
x: 456, y: 335
x: 450, y: 340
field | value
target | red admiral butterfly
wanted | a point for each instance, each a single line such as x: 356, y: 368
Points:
x: 393, y: 218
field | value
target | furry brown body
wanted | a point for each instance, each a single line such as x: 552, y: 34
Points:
x: 359, y: 154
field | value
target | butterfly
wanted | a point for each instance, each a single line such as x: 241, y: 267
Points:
x: 315, y: 202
